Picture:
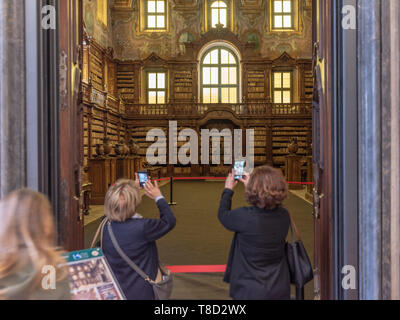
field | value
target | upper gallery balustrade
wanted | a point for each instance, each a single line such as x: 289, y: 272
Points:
x: 193, y: 109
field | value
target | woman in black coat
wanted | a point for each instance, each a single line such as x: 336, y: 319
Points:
x: 135, y: 235
x: 257, y: 267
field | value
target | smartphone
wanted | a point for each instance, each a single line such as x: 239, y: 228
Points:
x: 238, y: 169
x: 143, y: 178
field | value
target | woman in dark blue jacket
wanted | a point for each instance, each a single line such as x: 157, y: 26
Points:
x: 135, y: 235
x: 257, y: 267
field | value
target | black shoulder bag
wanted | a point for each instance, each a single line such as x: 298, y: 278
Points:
x: 301, y: 271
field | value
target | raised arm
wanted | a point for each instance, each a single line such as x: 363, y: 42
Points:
x: 157, y: 228
x: 232, y: 220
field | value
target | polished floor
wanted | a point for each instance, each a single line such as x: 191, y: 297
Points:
x: 199, y: 238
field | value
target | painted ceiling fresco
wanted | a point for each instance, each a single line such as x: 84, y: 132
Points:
x: 186, y: 21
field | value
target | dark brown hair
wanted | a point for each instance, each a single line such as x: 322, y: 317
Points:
x: 267, y: 188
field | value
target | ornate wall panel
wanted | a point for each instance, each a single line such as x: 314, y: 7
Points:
x: 250, y: 20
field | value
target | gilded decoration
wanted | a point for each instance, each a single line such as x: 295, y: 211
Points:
x: 187, y: 23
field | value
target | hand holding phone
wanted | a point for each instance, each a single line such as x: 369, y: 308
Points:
x: 143, y: 178
x: 238, y: 169
x: 230, y: 182
x: 245, y: 179
x: 152, y: 190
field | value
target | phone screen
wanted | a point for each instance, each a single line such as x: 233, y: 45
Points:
x: 143, y: 178
x: 239, y: 169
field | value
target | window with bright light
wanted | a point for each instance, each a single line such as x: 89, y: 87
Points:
x: 219, y: 14
x: 282, y: 14
x: 282, y: 87
x: 156, y: 87
x: 219, y: 76
x: 156, y: 14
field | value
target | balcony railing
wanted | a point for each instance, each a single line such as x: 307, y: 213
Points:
x: 102, y: 99
x: 193, y: 109
x: 239, y: 109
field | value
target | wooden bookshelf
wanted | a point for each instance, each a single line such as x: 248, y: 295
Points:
x: 256, y: 80
x: 126, y: 84
x: 281, y: 138
x: 183, y: 85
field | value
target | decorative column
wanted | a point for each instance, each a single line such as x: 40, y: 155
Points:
x: 379, y: 146
x: 12, y: 96
x: 370, y: 153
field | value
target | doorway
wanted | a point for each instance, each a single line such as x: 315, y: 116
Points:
x: 72, y: 171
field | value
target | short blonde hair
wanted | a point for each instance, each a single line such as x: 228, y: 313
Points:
x: 122, y: 200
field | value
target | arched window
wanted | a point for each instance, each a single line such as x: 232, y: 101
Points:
x: 219, y: 14
x: 219, y: 76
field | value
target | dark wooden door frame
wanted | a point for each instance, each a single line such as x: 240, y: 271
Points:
x: 54, y: 138
x: 335, y: 150
x: 42, y: 100
x: 322, y: 151
x: 70, y: 41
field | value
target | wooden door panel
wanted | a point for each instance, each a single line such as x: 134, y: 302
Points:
x: 322, y: 149
x: 70, y: 123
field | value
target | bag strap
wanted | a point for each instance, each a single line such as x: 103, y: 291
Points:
x: 293, y: 227
x: 292, y: 237
x: 125, y: 257
x: 99, y: 231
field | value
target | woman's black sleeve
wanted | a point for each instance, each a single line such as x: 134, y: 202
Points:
x: 157, y: 228
x: 232, y: 220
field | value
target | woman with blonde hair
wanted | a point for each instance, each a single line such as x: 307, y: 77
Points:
x: 257, y: 267
x: 135, y: 235
x: 27, y: 249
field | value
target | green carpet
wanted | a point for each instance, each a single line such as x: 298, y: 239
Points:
x: 199, y: 238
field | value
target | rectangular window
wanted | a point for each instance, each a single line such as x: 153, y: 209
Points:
x: 156, y: 15
x: 282, y: 14
x: 282, y: 87
x: 156, y: 87
x: 219, y: 14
